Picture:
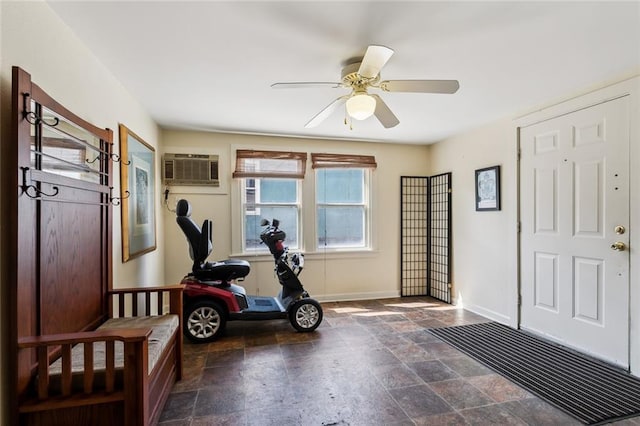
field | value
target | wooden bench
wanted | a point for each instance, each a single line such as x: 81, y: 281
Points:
x: 124, y: 375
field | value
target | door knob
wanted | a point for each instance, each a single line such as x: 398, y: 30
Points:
x: 618, y: 246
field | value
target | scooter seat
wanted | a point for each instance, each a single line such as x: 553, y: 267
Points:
x: 223, y: 270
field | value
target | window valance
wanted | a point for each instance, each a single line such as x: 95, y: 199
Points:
x: 320, y: 161
x: 265, y: 164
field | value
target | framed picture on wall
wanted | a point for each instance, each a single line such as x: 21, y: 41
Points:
x: 488, y: 189
x: 137, y: 182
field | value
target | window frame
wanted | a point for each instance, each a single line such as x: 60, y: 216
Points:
x: 365, y: 204
x: 248, y: 170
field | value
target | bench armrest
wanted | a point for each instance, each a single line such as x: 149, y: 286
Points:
x: 107, y: 335
x: 48, y: 347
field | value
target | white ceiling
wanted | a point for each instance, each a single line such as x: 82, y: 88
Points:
x: 209, y: 65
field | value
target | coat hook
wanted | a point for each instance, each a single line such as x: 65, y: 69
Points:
x: 34, y: 118
x: 94, y: 160
x: 35, y: 192
x: 116, y: 200
x: 117, y: 159
x: 114, y: 157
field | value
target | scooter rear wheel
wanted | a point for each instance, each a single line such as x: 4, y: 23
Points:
x: 305, y: 315
x: 204, y: 321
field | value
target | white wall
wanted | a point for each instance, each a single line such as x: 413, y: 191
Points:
x: 326, y: 276
x: 35, y: 39
x: 484, y: 243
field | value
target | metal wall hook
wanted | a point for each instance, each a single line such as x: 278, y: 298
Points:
x: 37, y: 194
x: 117, y: 159
x: 95, y: 159
x: 32, y: 191
x: 34, y: 118
x: 114, y: 157
x: 116, y: 200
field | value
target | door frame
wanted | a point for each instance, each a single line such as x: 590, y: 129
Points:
x: 631, y: 88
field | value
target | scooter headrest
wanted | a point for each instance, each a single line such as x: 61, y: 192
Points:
x: 183, y: 208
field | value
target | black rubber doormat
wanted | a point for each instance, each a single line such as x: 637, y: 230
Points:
x: 585, y: 388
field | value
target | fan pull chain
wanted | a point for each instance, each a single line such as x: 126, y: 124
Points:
x: 349, y: 122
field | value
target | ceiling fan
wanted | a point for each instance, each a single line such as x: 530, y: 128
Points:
x: 365, y: 74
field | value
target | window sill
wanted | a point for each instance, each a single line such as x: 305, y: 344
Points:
x: 312, y: 255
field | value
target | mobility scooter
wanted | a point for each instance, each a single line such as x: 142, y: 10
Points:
x: 212, y: 297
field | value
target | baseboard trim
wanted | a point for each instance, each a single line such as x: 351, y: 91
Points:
x: 345, y: 297
x: 488, y: 313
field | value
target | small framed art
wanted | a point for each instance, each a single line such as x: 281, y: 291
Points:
x: 488, y: 189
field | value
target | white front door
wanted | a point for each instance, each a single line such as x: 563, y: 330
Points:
x: 574, y: 207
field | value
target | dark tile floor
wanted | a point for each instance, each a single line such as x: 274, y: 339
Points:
x: 369, y: 363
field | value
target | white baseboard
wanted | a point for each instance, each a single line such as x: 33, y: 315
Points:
x: 487, y: 313
x: 344, y: 297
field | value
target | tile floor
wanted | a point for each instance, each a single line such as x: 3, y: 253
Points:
x: 369, y: 363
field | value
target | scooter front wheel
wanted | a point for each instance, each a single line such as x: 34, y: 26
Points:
x: 204, y: 321
x: 305, y: 315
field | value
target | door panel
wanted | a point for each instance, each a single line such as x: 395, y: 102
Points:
x: 588, y: 205
x: 546, y: 281
x: 546, y: 205
x: 574, y: 177
x: 587, y: 302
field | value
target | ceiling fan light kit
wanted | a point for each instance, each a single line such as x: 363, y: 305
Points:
x: 361, y: 106
x: 360, y: 76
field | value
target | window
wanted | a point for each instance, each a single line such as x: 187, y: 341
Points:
x: 342, y: 200
x: 270, y: 189
x: 270, y: 198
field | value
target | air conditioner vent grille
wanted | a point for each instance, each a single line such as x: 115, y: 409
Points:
x: 191, y: 169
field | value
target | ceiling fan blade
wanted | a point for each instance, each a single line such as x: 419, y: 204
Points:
x: 322, y: 115
x: 304, y: 85
x: 373, y: 60
x: 384, y: 114
x: 420, y: 86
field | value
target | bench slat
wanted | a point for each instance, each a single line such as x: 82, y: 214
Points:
x: 43, y: 372
x: 110, y: 368
x: 147, y: 303
x: 121, y: 304
x: 66, y: 370
x: 134, y: 305
x: 88, y: 368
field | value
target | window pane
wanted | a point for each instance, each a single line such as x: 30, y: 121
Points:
x: 340, y: 185
x: 288, y: 217
x: 341, y: 227
x: 278, y: 191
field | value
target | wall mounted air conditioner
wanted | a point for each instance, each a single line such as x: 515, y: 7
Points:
x: 190, y: 169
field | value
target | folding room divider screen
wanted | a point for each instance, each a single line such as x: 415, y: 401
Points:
x: 425, y: 235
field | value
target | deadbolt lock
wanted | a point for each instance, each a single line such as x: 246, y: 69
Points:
x: 618, y: 246
x: 619, y: 229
